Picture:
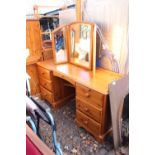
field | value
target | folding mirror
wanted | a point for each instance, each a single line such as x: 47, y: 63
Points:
x: 59, y: 45
x: 81, y: 44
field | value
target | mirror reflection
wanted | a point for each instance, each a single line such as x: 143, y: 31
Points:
x: 60, y: 49
x: 80, y: 44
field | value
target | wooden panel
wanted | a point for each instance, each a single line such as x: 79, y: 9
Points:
x: 33, y: 40
x: 89, y: 110
x: 44, y: 73
x: 34, y: 81
x: 33, y: 43
x: 89, y: 95
x: 64, y: 77
x: 47, y: 54
x: 47, y: 84
x: 47, y: 95
x: 78, y: 10
x: 28, y: 36
x: 88, y: 123
x: 57, y: 88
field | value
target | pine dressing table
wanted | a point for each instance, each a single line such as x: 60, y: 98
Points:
x: 91, y: 91
x: 72, y: 73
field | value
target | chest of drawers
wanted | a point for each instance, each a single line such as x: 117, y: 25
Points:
x: 92, y: 111
x: 50, y: 87
x: 53, y: 88
x: 46, y: 84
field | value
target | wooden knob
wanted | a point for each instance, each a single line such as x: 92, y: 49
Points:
x: 87, y: 94
x: 45, y: 84
x: 86, y: 109
x: 43, y: 73
x: 86, y: 122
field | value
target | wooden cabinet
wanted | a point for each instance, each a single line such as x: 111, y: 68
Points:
x: 46, y: 84
x: 92, y: 111
x: 53, y: 89
x: 33, y: 43
x: 31, y: 70
x: 47, y: 25
x: 33, y: 40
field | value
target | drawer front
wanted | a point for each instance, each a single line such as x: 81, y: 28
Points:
x: 46, y: 84
x: 46, y: 94
x: 87, y: 123
x: 89, y: 95
x: 89, y: 110
x: 44, y: 73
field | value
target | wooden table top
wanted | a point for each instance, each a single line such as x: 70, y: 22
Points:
x: 98, y: 81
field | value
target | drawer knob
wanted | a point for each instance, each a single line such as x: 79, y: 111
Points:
x: 86, y: 109
x: 45, y: 84
x: 85, y: 122
x: 87, y: 94
x: 43, y: 73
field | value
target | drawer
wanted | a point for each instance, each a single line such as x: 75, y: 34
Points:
x: 90, y: 96
x: 46, y: 94
x: 46, y: 84
x: 44, y: 73
x: 89, y: 110
x: 88, y: 123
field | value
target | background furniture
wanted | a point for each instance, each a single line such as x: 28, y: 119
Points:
x: 39, y: 46
x: 33, y: 44
x: 47, y: 25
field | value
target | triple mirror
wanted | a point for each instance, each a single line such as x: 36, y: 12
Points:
x: 74, y: 43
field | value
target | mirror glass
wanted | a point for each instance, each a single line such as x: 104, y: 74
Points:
x: 60, y: 52
x: 81, y: 44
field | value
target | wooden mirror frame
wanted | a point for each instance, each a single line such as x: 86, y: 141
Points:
x: 65, y: 34
x: 91, y: 44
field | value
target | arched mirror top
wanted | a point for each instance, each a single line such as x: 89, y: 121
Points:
x: 81, y: 44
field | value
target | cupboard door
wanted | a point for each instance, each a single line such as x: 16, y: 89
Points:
x: 33, y: 39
